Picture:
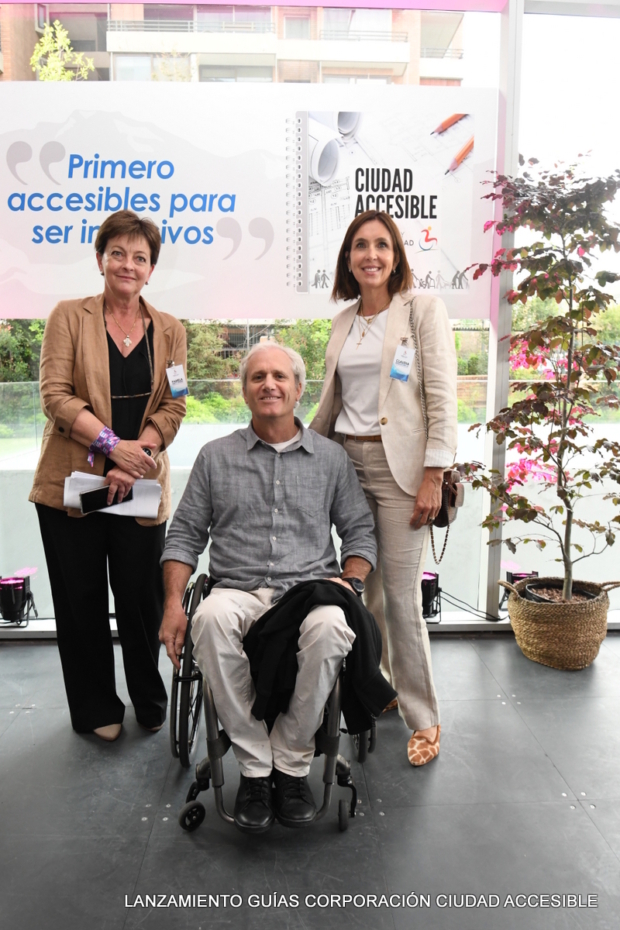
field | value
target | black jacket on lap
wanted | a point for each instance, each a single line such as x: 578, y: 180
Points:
x: 272, y: 642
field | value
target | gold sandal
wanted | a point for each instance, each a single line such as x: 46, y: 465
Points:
x: 391, y: 706
x: 421, y: 750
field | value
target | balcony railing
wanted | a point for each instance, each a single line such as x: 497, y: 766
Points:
x: 187, y: 25
x: 441, y: 53
x: 363, y: 36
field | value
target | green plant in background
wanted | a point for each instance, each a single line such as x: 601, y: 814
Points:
x: 171, y: 66
x: 213, y: 407
x: 547, y: 423
x: 20, y: 349
x: 309, y: 338
x: 206, y: 358
x: 466, y: 414
x: 54, y: 60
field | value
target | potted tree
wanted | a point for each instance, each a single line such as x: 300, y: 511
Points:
x: 549, y: 426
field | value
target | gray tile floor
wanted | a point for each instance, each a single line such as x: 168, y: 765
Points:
x: 523, y: 800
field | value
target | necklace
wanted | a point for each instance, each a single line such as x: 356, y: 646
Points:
x: 365, y: 322
x: 127, y: 341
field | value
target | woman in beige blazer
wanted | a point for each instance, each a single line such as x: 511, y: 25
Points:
x: 390, y: 397
x: 110, y: 412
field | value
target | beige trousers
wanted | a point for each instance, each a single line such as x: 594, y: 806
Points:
x: 394, y: 589
x: 218, y: 629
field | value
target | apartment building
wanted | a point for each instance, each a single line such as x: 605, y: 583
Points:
x: 138, y: 42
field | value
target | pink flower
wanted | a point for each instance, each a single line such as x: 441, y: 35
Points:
x: 525, y: 469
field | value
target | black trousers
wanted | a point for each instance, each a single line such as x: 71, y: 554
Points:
x: 79, y: 552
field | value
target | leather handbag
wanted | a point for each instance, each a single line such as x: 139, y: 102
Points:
x: 452, y: 497
x: 452, y: 491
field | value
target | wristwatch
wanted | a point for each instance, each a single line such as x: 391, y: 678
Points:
x: 356, y: 583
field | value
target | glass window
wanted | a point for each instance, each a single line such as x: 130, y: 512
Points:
x: 355, y: 78
x: 214, y: 16
x: 234, y: 18
x: 231, y: 74
x: 166, y: 12
x: 171, y: 68
x: 132, y: 67
x: 255, y: 14
x: 337, y: 20
x: 371, y: 21
x: 296, y: 27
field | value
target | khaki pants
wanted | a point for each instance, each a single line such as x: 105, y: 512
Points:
x: 219, y: 627
x: 394, y: 590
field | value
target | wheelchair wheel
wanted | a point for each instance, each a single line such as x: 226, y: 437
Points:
x: 190, y: 700
x: 372, y: 737
x: 343, y: 816
x: 360, y: 741
x: 191, y: 816
x: 174, y: 691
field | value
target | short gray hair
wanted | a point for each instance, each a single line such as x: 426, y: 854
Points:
x: 297, y: 362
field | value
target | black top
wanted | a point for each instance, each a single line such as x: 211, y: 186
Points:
x: 129, y: 378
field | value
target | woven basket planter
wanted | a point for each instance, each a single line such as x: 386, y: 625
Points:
x: 566, y: 636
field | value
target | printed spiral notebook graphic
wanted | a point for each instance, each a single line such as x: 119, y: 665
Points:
x: 417, y: 169
x: 252, y: 211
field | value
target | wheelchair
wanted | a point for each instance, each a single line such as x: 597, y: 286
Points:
x: 190, y: 692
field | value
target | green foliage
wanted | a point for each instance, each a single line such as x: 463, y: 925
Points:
x: 608, y: 325
x: 20, y: 349
x: 525, y: 316
x: 473, y: 365
x: 466, y: 414
x: 171, y: 66
x: 548, y: 423
x: 205, y: 356
x: 309, y: 338
x: 214, y: 408
x: 54, y: 59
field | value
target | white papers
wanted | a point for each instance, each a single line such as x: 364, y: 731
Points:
x: 145, y: 502
x: 343, y: 122
x: 323, y: 151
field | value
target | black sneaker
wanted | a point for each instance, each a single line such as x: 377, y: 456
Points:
x: 253, y: 806
x: 293, y: 800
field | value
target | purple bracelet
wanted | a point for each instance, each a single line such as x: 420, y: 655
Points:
x: 105, y: 442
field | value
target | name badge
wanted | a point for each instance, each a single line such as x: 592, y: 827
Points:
x: 401, y: 366
x: 177, y: 381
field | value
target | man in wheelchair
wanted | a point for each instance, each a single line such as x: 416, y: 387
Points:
x: 266, y: 497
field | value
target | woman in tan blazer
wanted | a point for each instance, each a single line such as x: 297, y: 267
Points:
x: 390, y: 397
x: 110, y: 411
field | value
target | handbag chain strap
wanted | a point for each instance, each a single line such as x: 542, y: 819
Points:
x: 419, y: 370
x: 445, y: 543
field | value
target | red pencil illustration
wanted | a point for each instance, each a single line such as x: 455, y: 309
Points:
x: 462, y: 155
x: 450, y: 121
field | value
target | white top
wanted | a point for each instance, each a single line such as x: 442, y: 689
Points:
x: 359, y: 370
x: 279, y: 446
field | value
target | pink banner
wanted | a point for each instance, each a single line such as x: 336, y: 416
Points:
x: 461, y: 6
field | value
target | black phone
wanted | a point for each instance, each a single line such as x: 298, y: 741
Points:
x: 90, y: 501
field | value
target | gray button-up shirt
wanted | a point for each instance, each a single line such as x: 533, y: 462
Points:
x: 269, y: 514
